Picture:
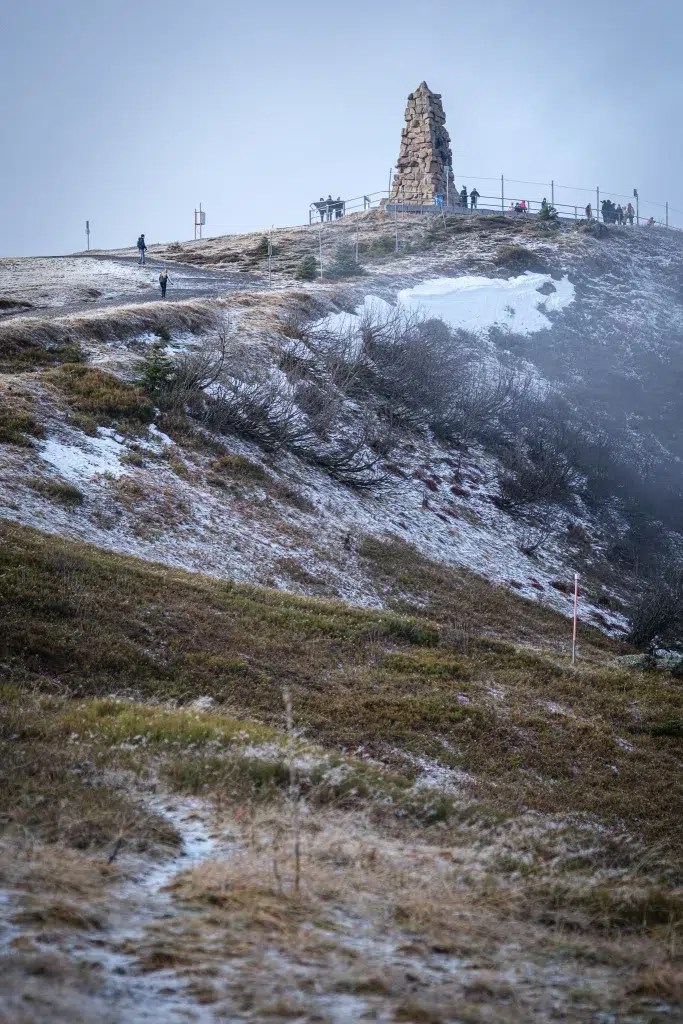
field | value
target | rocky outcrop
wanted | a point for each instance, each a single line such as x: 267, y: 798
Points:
x: 425, y: 158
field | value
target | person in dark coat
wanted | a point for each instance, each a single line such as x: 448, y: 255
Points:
x: 474, y: 196
x: 163, y: 281
x: 141, y: 249
x: 589, y: 212
x: 620, y: 214
x: 463, y: 197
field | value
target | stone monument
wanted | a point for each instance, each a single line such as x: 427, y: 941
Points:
x: 425, y: 157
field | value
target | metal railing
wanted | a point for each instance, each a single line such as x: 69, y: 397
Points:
x: 507, y: 201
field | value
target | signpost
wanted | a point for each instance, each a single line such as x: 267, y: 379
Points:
x: 87, y: 233
x: 199, y: 221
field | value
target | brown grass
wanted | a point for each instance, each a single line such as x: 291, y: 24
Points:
x: 100, y: 396
x: 358, y: 678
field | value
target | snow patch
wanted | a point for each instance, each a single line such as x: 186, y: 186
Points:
x: 477, y: 304
x: 94, y: 456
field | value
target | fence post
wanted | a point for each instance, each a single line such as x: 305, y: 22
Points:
x: 502, y: 193
x: 597, y: 203
x: 576, y: 216
x: 576, y: 608
x: 667, y: 215
x: 320, y: 243
x: 552, y: 192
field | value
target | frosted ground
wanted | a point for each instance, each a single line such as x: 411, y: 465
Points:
x: 189, y: 525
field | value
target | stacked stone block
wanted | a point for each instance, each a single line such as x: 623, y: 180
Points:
x: 425, y: 151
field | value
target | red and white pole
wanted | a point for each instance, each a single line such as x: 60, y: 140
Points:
x: 576, y: 609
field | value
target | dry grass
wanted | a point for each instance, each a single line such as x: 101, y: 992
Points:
x: 18, y: 423
x: 464, y: 601
x: 375, y: 912
x: 100, y: 623
x: 100, y: 396
x: 48, y: 791
x: 57, y: 490
x: 31, y: 340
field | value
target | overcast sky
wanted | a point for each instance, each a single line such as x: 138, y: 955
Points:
x: 131, y: 112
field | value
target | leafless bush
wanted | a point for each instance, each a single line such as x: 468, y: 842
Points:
x: 258, y: 406
x: 544, y: 475
x: 486, y: 395
x: 350, y: 460
x: 194, y: 371
x: 656, y: 612
x: 533, y: 536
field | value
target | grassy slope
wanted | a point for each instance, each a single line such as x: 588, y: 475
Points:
x: 86, y: 623
x: 582, y: 907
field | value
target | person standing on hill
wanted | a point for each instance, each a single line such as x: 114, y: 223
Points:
x: 474, y: 196
x: 141, y: 249
x: 629, y: 213
x: 163, y: 281
x: 463, y: 197
x: 589, y: 212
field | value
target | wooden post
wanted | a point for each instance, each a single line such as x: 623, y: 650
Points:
x: 576, y: 608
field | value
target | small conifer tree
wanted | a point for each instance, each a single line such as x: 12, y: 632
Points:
x: 307, y: 270
x: 548, y: 215
x: 263, y: 247
x: 344, y: 262
x: 157, y: 371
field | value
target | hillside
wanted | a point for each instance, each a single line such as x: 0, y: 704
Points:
x: 289, y: 724
x: 594, y: 322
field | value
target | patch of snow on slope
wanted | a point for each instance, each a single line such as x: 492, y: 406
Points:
x: 83, y: 462
x: 479, y: 303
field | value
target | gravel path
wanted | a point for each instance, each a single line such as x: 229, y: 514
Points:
x: 61, y: 286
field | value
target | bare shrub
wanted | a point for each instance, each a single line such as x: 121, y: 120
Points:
x: 656, y: 611
x: 533, y: 536
x: 257, y: 406
x: 545, y: 475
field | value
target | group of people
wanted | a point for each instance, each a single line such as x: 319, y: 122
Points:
x: 612, y: 214
x: 141, y: 246
x: 463, y: 199
x: 330, y: 209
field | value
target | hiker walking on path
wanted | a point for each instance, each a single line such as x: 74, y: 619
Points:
x: 474, y: 196
x: 163, y: 281
x: 141, y: 248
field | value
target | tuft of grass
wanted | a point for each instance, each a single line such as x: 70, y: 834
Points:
x: 58, y: 490
x: 518, y: 258
x: 98, y: 394
x: 238, y: 467
x: 18, y: 425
